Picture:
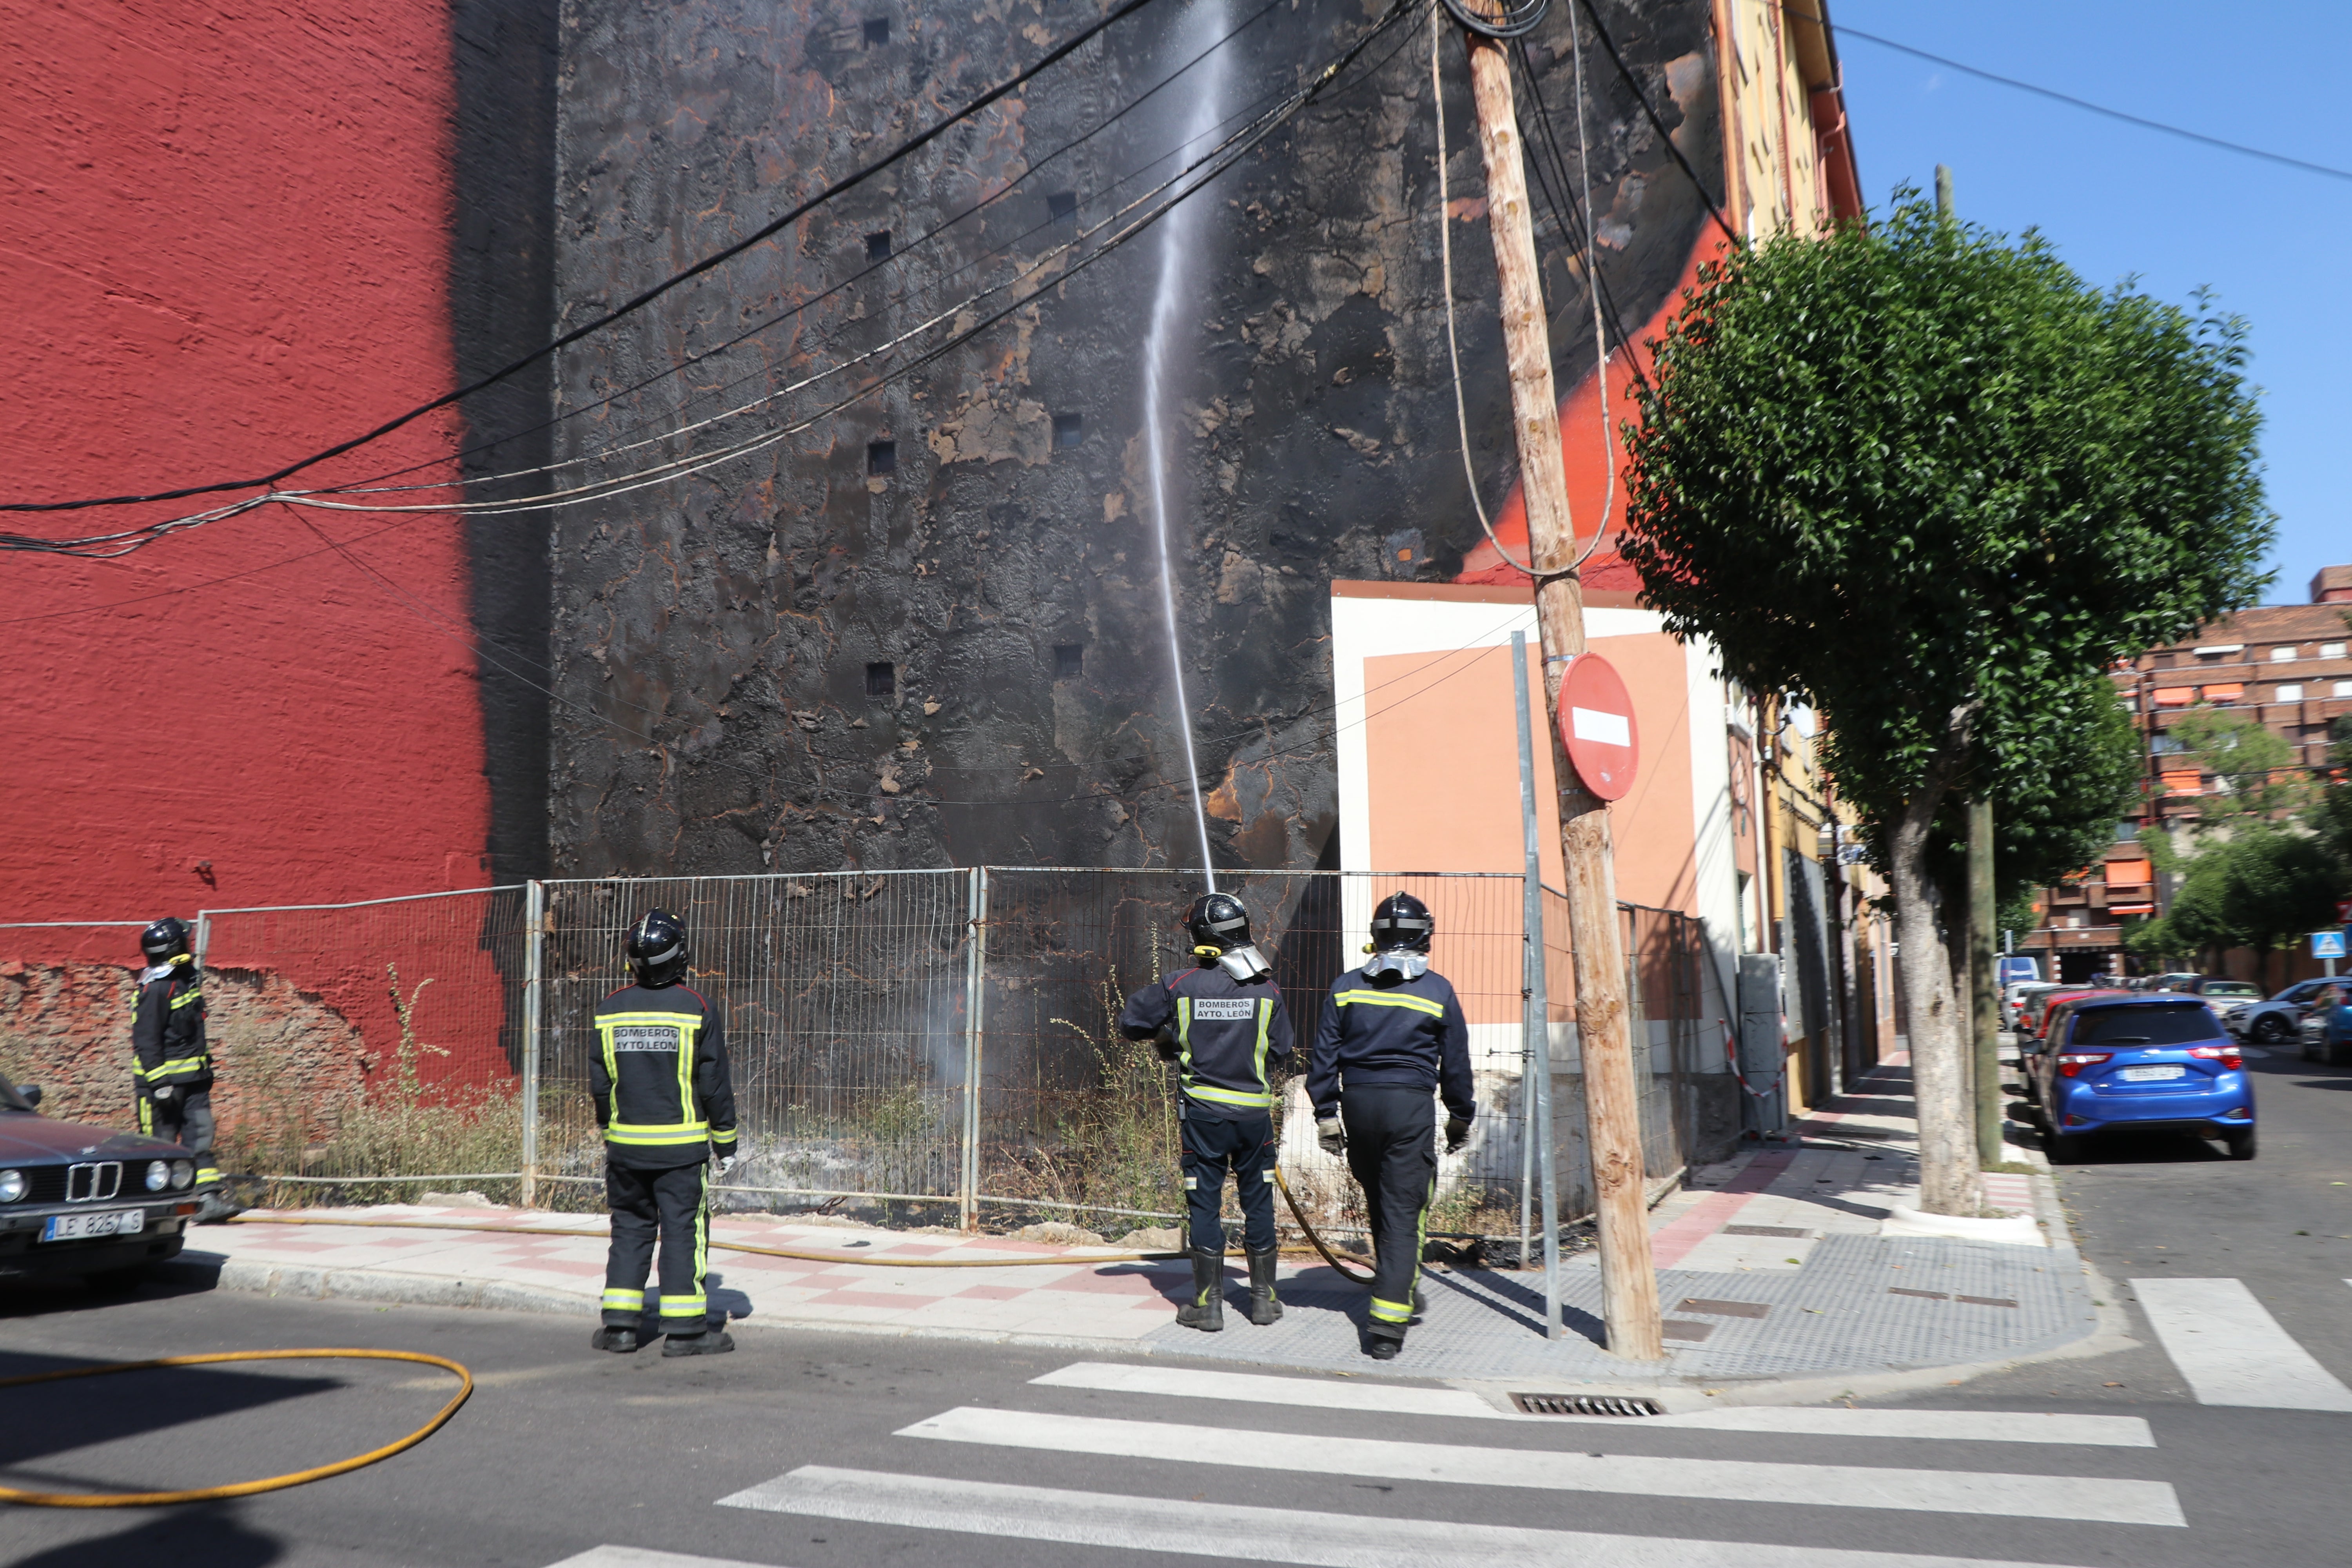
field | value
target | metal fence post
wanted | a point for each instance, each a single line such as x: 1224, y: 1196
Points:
x: 534, y: 919
x: 1536, y: 1019
x: 203, y: 936
x: 968, y: 1185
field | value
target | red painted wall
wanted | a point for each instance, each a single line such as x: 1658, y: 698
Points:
x: 227, y: 245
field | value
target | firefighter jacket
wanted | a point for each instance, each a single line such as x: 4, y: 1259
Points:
x: 1408, y: 1033
x: 659, y: 1079
x: 1225, y: 1031
x: 167, y: 1029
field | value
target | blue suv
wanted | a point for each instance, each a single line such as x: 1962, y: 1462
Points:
x: 2147, y: 1062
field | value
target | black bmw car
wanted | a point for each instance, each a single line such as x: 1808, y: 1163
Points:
x: 75, y: 1199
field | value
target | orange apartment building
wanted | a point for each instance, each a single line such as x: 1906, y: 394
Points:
x: 2288, y: 666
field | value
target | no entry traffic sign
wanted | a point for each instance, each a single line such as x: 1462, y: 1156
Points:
x: 1596, y: 724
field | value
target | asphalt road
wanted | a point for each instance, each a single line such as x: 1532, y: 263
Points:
x: 563, y: 1450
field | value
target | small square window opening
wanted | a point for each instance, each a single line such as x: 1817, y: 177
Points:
x: 2283, y: 654
x: 881, y: 457
x: 1061, y: 207
x: 881, y: 681
x: 1070, y: 660
x: 1069, y: 429
x: 878, y: 32
x: 878, y: 245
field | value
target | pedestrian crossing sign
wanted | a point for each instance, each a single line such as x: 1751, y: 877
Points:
x: 2327, y: 945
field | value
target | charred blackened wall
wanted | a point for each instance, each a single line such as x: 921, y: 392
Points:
x: 927, y: 628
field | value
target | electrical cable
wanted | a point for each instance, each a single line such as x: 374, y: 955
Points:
x: 638, y: 302
x: 1223, y: 156
x: 239, y: 1488
x: 1600, y: 337
x: 1511, y: 20
x: 897, y: 256
x: 1843, y: 31
x: 1641, y: 93
x: 1445, y: 261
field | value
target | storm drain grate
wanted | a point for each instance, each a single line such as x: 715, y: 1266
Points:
x: 1787, y: 1230
x: 1584, y: 1404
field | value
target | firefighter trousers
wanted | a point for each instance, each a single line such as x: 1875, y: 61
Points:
x: 187, y: 1118
x: 1212, y: 1146
x: 1392, y: 1152
x: 672, y: 1204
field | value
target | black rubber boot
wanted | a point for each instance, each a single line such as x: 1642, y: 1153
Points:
x: 620, y: 1342
x: 1265, y: 1307
x: 1206, y: 1311
x: 710, y: 1342
x: 1380, y: 1347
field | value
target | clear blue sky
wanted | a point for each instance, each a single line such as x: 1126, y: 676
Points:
x: 2117, y: 201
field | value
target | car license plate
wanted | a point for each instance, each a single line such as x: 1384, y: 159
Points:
x: 79, y: 1226
x: 2142, y: 1074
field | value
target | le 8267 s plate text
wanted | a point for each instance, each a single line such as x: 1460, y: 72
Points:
x: 82, y: 1227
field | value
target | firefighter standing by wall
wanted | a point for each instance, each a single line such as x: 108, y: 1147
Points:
x: 1391, y: 1032
x: 661, y: 1083
x: 172, y: 1065
x: 1222, y: 1024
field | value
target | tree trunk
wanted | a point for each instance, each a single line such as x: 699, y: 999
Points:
x: 1948, y: 1180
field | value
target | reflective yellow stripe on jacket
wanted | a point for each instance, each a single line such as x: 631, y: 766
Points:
x: 1262, y: 1097
x: 1389, y: 999
x: 689, y: 1128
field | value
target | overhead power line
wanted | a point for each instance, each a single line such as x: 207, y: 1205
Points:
x: 628, y: 307
x: 1843, y: 31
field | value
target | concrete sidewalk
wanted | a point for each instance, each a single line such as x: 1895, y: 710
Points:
x: 1775, y: 1265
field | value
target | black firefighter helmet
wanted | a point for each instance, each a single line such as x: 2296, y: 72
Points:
x: 165, y: 939
x: 1401, y: 924
x: 1217, y: 921
x: 657, y: 951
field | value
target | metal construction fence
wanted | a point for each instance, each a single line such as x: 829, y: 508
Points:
x: 916, y: 1047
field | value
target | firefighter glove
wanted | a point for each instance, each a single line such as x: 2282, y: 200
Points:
x: 163, y: 1094
x: 726, y: 1164
x: 1167, y: 1045
x: 1334, y: 1137
x: 1457, y: 1133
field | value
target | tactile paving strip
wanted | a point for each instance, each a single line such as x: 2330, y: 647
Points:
x: 1835, y: 1313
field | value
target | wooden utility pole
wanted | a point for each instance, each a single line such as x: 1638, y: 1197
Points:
x: 1984, y: 985
x: 1629, y: 1284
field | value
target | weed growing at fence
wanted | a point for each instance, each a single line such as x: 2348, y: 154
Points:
x: 1112, y: 1145
x: 395, y: 1127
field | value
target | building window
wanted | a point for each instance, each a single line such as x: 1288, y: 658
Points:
x: 881, y: 457
x: 878, y: 245
x: 2331, y: 650
x: 2290, y: 694
x: 2283, y: 654
x: 1061, y: 207
x: 1070, y: 660
x: 2344, y: 689
x: 881, y: 681
x: 878, y: 32
x: 2127, y: 830
x: 1069, y: 429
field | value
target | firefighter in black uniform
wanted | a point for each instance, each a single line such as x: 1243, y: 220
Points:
x: 1390, y: 1032
x: 171, y: 1066
x: 1222, y: 1024
x: 659, y: 1079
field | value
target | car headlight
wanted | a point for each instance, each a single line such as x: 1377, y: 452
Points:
x: 158, y: 1172
x: 183, y: 1173
x: 13, y: 1185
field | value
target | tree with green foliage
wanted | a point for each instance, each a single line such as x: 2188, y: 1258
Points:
x: 2263, y: 887
x: 2257, y: 773
x: 1928, y: 480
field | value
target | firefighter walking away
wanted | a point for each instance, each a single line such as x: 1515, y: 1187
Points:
x: 1223, y: 1025
x: 171, y: 1062
x: 1391, y: 1033
x: 663, y: 1098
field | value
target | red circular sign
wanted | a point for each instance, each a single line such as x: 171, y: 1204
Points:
x: 1596, y: 724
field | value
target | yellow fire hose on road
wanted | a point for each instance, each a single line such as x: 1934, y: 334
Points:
x: 239, y: 1488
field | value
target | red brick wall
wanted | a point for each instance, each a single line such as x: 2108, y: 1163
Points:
x: 228, y: 244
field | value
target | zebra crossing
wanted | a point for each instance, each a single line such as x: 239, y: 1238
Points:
x: 1180, y: 1427
x: 1167, y: 1507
